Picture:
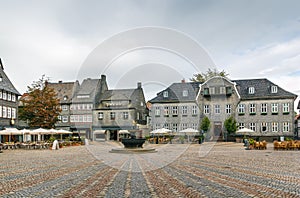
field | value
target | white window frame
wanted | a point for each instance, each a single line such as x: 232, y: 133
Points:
x: 166, y: 94
x: 8, y: 112
x: 251, y: 90
x: 174, y: 110
x: 112, y: 116
x: 166, y: 111
x: 184, y: 126
x: 206, y: 109
x: 275, y: 127
x: 4, y: 95
x: 0, y: 94
x: 9, y: 96
x: 65, y: 119
x: 264, y: 124
x: 222, y: 90
x: 13, y: 97
x: 64, y: 107
x: 184, y: 110
x: 274, y: 107
x: 252, y: 108
x: 217, y: 109
x: 157, y: 111
x: 194, y: 110
x: 4, y: 113
x: 264, y: 108
x: 194, y: 126
x: 228, y: 109
x: 241, y: 108
x: 286, y: 107
x: 274, y: 89
x: 285, y: 127
x: 125, y: 115
x: 166, y: 125
x: 0, y: 111
x: 241, y: 125
x: 252, y: 126
x: 185, y: 93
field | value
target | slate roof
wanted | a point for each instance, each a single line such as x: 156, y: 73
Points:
x: 175, y: 93
x: 133, y: 95
x: 6, y: 84
x: 262, y: 89
x: 88, y: 87
x: 64, y: 89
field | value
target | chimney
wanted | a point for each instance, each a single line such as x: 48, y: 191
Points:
x: 139, y: 85
x: 60, y: 81
x: 103, y: 77
x: 183, y: 81
x: 103, y: 84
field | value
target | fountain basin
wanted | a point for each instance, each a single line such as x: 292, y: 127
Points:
x: 133, y: 143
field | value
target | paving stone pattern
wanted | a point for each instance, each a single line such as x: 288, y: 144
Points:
x: 227, y: 170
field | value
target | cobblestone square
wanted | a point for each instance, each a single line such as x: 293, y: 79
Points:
x: 207, y: 170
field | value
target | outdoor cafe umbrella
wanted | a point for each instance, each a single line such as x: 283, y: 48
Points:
x: 10, y: 132
x: 62, y: 131
x: 25, y: 133
x: 189, y: 132
x: 161, y: 131
x: 40, y: 131
x: 245, y: 131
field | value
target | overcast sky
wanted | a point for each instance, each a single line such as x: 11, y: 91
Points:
x: 247, y: 39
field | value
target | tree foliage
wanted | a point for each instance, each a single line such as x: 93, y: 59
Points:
x: 202, y: 77
x: 40, y: 105
x: 230, y: 125
x: 205, y: 124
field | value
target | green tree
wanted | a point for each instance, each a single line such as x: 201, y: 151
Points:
x: 40, y: 105
x: 230, y: 125
x: 202, y: 77
x: 205, y: 124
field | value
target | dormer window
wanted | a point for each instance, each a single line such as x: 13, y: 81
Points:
x: 251, y: 90
x: 185, y: 93
x: 274, y: 89
x: 166, y: 94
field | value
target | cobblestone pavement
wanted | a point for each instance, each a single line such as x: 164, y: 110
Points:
x: 207, y: 170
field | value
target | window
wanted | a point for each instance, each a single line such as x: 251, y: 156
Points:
x: 264, y: 109
x: 157, y: 111
x: 59, y: 118
x: 89, y: 118
x: 206, y: 109
x: 112, y: 115
x: 212, y: 90
x: 251, y: 90
x: 264, y: 127
x: 166, y: 111
x: 175, y: 127
x: 252, y: 108
x: 252, y: 126
x: 222, y: 90
x: 0, y: 94
x: 157, y: 126
x: 241, y: 108
x: 13, y: 97
x: 125, y: 115
x: 286, y: 127
x: 274, y: 89
x: 0, y: 111
x: 8, y: 112
x: 9, y: 96
x: 175, y: 111
x: 275, y: 108
x: 100, y: 115
x: 80, y: 118
x: 64, y: 107
x: 217, y: 109
x: 195, y: 126
x: 185, y: 93
x: 206, y: 91
x: 274, y: 126
x: 65, y: 119
x: 184, y: 110
x: 166, y: 94
x: 194, y: 110
x: 228, y: 109
x: 4, y: 115
x: 84, y: 118
x: 184, y: 126
x: 166, y: 126
x: 241, y: 125
x: 4, y: 95
x: 286, y: 108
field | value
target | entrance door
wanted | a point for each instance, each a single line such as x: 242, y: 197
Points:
x: 218, y: 131
x: 113, y: 135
